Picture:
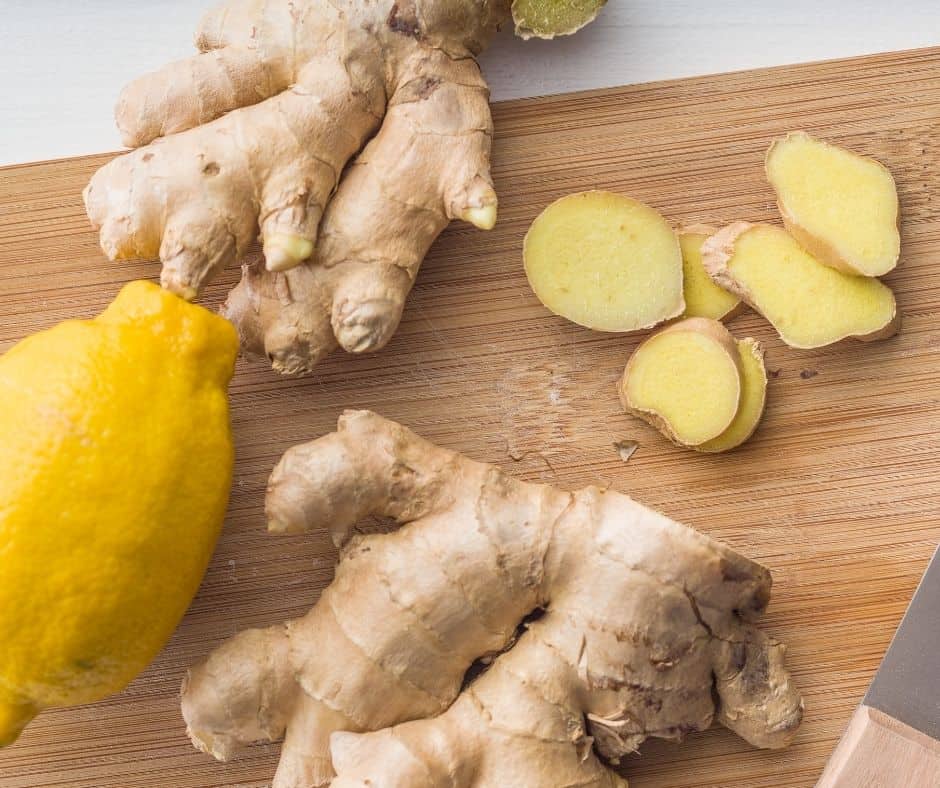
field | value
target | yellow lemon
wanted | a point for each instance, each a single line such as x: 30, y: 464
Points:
x: 115, y: 467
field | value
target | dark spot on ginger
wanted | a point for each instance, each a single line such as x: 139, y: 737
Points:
x: 653, y: 703
x: 403, y: 19
x: 756, y: 671
x: 738, y: 657
x: 732, y: 573
x: 419, y: 89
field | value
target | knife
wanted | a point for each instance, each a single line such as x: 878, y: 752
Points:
x: 893, y: 738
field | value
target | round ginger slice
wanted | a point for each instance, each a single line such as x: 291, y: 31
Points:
x: 842, y: 207
x: 751, y: 405
x: 547, y: 19
x: 685, y: 381
x: 605, y: 261
x: 809, y: 304
x: 703, y: 297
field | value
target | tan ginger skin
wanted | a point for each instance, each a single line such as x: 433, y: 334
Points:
x: 647, y: 630
x: 264, y: 128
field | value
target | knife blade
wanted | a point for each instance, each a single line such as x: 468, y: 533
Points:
x: 893, y: 738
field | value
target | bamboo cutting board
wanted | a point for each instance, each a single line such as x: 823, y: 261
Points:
x: 838, y: 492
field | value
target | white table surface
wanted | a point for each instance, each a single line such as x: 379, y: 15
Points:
x: 62, y: 62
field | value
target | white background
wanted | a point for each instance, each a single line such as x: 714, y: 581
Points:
x: 62, y: 62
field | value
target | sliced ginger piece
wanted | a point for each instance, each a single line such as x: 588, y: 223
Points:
x: 682, y: 382
x: 550, y: 18
x: 605, y: 261
x: 808, y: 303
x: 841, y: 206
x: 751, y: 405
x: 703, y: 297
x: 685, y: 381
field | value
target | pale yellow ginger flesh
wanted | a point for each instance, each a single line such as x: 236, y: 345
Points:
x: 550, y: 18
x: 842, y: 207
x: 646, y: 629
x: 605, y: 261
x: 703, y: 298
x: 348, y: 133
x: 809, y: 304
x: 751, y: 406
x: 685, y: 381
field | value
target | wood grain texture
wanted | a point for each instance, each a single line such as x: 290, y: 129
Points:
x: 878, y: 751
x: 838, y: 492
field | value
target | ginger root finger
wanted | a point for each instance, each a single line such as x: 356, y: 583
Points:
x: 193, y: 91
x: 605, y: 261
x: 250, y: 50
x: 703, y: 298
x: 636, y: 612
x: 756, y: 698
x: 685, y: 381
x: 809, y: 304
x: 332, y: 484
x: 392, y: 203
x: 402, y: 191
x: 259, y: 700
x: 840, y: 206
x: 223, y: 178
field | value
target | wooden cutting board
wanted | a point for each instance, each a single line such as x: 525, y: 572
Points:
x: 838, y: 493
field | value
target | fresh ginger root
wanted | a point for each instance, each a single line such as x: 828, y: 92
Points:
x: 605, y: 261
x: 840, y: 206
x: 686, y: 381
x: 646, y: 629
x: 808, y: 303
x: 350, y: 132
x: 703, y: 298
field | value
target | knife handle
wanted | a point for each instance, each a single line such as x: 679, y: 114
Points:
x: 878, y: 751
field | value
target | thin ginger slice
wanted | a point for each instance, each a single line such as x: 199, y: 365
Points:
x: 703, y: 298
x: 841, y: 206
x: 809, y: 304
x: 605, y: 261
x: 753, y: 397
x: 685, y: 381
